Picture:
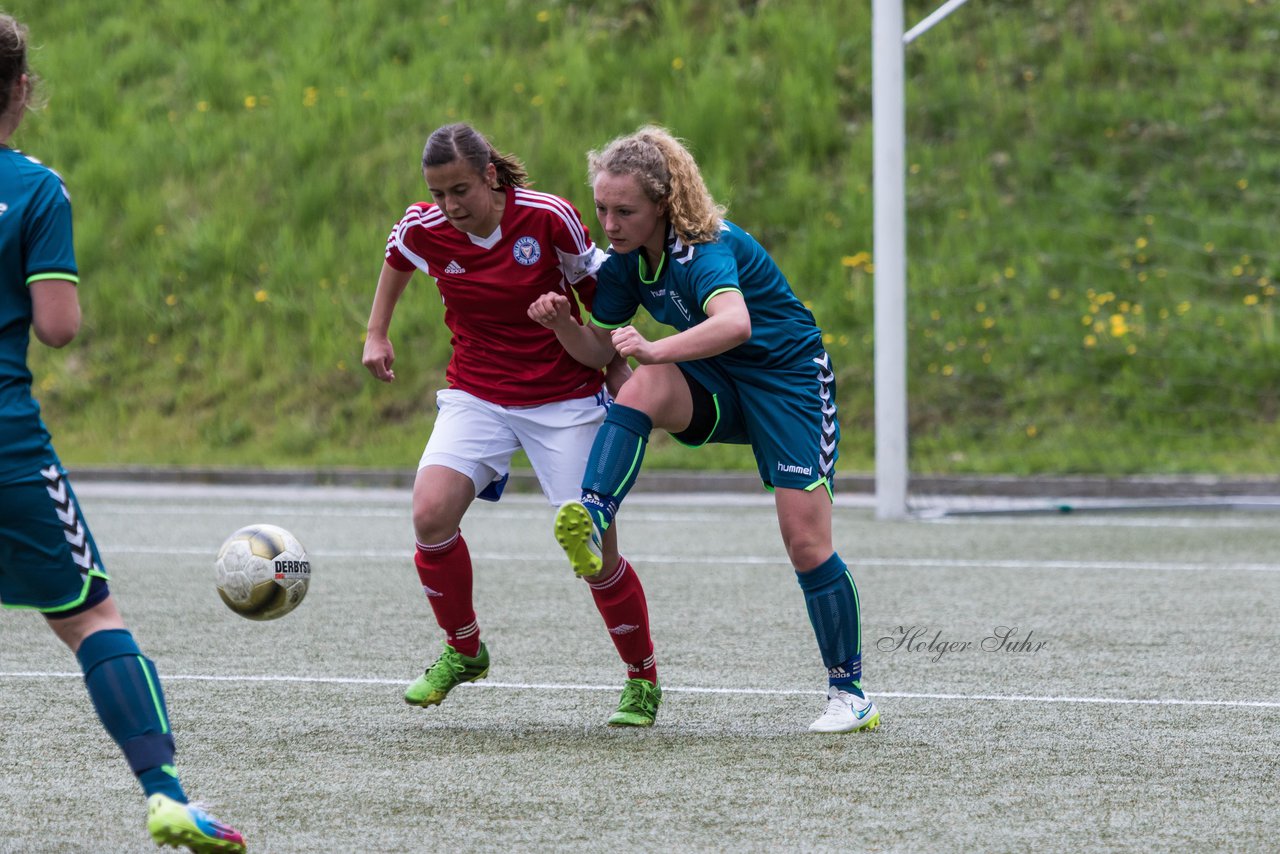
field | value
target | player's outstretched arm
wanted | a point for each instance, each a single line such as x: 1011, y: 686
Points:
x: 378, y: 352
x: 55, y: 311
x: 586, y: 343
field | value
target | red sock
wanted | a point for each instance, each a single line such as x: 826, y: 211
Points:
x: 620, y: 600
x: 445, y: 571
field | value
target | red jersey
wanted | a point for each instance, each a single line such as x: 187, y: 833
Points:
x: 487, y: 284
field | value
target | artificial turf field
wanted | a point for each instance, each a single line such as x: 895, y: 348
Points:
x: 1134, y: 707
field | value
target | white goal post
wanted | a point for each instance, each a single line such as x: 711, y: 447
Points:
x: 888, y: 97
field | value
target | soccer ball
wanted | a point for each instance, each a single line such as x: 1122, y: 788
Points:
x: 262, y: 572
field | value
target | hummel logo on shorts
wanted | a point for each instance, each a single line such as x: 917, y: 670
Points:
x: 454, y: 269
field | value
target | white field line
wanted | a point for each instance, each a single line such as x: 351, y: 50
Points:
x: 541, y: 513
x: 755, y: 560
x: 543, y: 686
x: 638, y: 514
x: 1088, y: 565
x: 1153, y: 519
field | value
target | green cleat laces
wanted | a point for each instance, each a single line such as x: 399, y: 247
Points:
x: 451, y: 669
x: 639, y: 704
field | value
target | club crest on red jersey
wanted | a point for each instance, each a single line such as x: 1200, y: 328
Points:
x: 527, y: 251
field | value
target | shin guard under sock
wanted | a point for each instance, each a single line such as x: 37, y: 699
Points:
x: 615, y: 461
x: 126, y: 693
x: 835, y: 614
x: 620, y: 601
x: 445, y: 572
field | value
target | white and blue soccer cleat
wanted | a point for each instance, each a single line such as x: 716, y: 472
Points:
x: 846, y: 713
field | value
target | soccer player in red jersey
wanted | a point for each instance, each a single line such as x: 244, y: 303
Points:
x: 494, y: 247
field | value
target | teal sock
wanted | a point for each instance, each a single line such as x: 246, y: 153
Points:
x: 615, y: 461
x: 835, y: 614
x: 162, y: 781
x: 126, y: 693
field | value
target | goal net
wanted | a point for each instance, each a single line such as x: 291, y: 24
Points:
x: 1092, y: 215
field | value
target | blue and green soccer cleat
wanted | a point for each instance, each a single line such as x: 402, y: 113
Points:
x: 578, y: 535
x: 177, y: 824
x: 639, y: 704
x: 451, y: 669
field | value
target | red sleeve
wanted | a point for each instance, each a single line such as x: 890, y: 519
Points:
x: 397, y: 252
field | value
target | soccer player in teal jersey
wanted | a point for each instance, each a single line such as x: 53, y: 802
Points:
x: 746, y: 365
x: 48, y: 559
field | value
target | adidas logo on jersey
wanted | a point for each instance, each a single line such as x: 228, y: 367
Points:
x: 454, y: 269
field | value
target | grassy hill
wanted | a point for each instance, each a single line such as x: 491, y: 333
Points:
x: 1092, y: 211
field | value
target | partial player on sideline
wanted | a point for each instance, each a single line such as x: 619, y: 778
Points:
x: 494, y: 246
x: 48, y: 559
x: 746, y: 366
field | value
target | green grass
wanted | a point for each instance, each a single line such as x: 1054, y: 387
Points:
x: 235, y: 170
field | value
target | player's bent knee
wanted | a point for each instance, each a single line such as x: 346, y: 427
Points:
x: 804, y: 556
x: 431, y: 529
x: 96, y: 614
x: 649, y: 386
x: 660, y: 392
x: 441, y: 497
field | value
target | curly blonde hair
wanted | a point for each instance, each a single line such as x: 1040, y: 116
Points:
x: 668, y: 175
x: 13, y: 60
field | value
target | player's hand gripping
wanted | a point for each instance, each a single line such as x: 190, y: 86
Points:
x: 629, y: 342
x: 551, y: 310
x: 378, y: 356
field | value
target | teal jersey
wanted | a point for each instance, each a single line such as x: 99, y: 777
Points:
x: 783, y: 331
x: 35, y: 244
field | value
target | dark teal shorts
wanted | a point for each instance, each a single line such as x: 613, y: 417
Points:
x: 48, y: 558
x: 787, y: 416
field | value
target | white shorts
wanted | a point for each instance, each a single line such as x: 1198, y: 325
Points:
x: 477, y: 438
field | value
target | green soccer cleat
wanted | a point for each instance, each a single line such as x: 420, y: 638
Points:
x: 451, y: 669
x: 578, y: 535
x: 176, y: 824
x: 639, y: 704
